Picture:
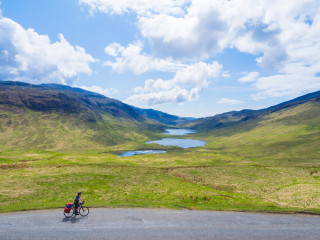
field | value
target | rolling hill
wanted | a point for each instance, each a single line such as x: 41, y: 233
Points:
x: 53, y: 116
x: 287, y: 133
x: 234, y: 118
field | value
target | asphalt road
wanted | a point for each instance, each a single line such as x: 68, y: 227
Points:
x: 157, y: 224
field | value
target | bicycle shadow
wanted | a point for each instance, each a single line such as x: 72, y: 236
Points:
x: 74, y: 219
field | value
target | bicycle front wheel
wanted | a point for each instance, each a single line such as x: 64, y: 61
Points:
x: 69, y: 214
x: 84, y: 211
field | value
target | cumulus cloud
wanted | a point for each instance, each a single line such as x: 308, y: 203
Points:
x: 138, y: 6
x: 27, y: 56
x: 184, y: 86
x: 175, y: 94
x: 106, y: 92
x: 132, y: 59
x: 279, y: 34
x: 229, y: 101
x: 203, y: 28
x: 196, y: 35
x: 250, y: 77
x: 296, y: 79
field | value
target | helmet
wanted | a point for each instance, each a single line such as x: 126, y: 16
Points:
x: 79, y: 193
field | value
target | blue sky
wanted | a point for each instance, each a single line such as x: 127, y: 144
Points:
x: 192, y: 58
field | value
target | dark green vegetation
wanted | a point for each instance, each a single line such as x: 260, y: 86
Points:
x: 266, y: 160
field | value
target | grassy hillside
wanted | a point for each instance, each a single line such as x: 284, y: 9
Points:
x: 55, y: 132
x: 288, y: 136
x: 61, y: 118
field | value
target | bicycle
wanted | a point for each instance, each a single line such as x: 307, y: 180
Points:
x: 84, y: 211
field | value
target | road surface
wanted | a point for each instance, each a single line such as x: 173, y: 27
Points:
x: 157, y: 224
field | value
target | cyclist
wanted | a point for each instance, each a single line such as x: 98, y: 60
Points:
x: 77, y: 202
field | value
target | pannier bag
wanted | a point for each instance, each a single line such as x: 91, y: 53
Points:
x: 67, y: 208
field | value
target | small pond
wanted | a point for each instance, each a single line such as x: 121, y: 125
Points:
x: 183, y: 143
x: 132, y: 153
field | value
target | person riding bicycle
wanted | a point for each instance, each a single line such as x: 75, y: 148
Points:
x: 77, y: 202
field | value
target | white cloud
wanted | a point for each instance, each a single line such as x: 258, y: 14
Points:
x: 27, y: 56
x: 138, y: 6
x: 298, y: 73
x: 208, y: 27
x: 205, y: 27
x: 194, y: 76
x: 229, y: 101
x: 193, y: 36
x: 131, y: 59
x: 226, y: 74
x: 185, y: 86
x: 106, y: 92
x: 250, y: 77
x: 175, y: 94
x: 114, y: 49
x: 198, y: 74
x: 279, y: 34
x: 296, y: 79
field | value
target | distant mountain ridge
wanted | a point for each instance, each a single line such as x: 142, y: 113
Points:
x: 234, y: 117
x: 164, y: 117
x: 90, y: 105
x: 65, y: 99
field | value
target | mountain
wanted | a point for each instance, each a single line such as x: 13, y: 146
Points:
x: 234, y: 118
x: 62, y: 99
x: 164, y: 117
x: 48, y: 116
x: 65, y: 99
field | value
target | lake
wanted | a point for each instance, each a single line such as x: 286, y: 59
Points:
x: 132, y: 153
x: 179, y: 132
x: 183, y: 143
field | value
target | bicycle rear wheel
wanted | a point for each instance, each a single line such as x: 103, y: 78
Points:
x: 70, y: 213
x: 84, y: 211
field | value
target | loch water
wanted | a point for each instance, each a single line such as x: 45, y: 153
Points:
x: 179, y: 132
x: 132, y: 153
x: 183, y: 143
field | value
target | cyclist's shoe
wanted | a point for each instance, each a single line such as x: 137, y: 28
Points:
x: 77, y: 213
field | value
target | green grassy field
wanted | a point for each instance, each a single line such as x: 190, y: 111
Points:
x: 39, y: 180
x: 270, y: 165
